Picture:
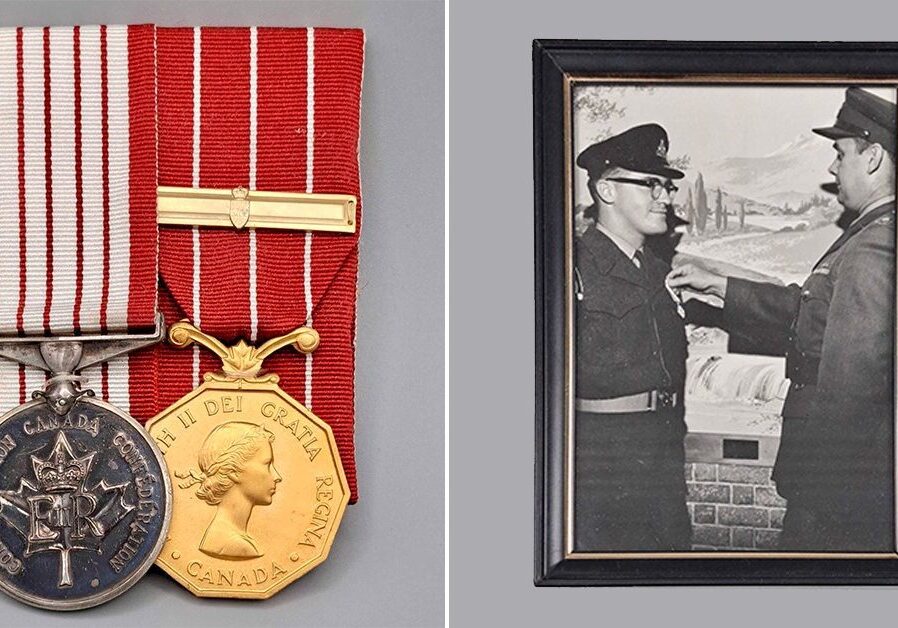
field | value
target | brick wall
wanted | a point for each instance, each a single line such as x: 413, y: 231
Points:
x: 733, y: 506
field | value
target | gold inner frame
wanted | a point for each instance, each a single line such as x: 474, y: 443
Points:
x: 571, y: 81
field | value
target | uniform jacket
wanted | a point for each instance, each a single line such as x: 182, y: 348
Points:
x: 837, y: 334
x: 630, y: 491
x: 630, y: 338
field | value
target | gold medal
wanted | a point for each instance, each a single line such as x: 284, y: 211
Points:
x: 259, y: 490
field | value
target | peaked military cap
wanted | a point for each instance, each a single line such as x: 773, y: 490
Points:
x: 866, y: 116
x: 641, y: 149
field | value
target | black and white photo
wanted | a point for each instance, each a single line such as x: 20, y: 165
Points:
x: 727, y: 258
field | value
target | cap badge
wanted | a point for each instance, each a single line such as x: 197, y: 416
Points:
x: 662, y: 148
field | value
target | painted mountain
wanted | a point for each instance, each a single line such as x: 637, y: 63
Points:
x: 791, y: 174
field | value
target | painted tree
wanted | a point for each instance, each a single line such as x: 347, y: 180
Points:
x: 600, y: 106
x: 701, y: 204
x: 690, y: 212
x: 742, y: 215
x: 718, y: 211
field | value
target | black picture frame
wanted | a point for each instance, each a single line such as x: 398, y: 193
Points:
x: 556, y: 64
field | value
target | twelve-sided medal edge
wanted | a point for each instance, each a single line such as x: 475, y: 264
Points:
x: 279, y: 415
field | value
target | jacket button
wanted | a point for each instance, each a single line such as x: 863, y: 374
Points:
x: 805, y: 295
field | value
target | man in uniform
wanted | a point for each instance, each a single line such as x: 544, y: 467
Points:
x: 837, y: 332
x: 629, y: 486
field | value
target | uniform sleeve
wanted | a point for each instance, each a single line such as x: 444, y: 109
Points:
x: 856, y: 363
x: 703, y: 314
x: 759, y: 316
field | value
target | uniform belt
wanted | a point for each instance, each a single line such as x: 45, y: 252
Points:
x: 640, y: 402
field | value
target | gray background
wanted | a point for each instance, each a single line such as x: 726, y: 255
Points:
x: 490, y: 310
x: 386, y: 566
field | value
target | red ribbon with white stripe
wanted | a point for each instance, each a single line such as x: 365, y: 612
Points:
x: 77, y: 191
x: 274, y: 109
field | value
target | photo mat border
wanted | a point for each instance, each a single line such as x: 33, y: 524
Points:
x: 558, y: 66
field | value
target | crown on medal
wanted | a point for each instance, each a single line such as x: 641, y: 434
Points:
x: 61, y: 471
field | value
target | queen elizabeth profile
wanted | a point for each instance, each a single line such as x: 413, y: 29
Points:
x: 236, y: 473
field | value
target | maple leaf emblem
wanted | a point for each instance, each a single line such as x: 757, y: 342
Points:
x: 58, y: 512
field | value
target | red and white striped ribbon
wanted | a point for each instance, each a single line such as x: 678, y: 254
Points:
x: 271, y: 109
x: 77, y: 191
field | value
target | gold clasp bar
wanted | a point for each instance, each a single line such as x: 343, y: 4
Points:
x: 240, y: 207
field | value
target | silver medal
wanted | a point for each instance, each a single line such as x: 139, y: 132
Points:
x: 85, y: 496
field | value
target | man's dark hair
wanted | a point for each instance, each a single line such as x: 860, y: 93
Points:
x: 592, y: 212
x: 860, y: 145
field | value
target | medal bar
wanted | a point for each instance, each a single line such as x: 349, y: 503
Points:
x: 240, y: 207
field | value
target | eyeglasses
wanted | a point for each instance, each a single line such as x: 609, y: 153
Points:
x: 656, y: 186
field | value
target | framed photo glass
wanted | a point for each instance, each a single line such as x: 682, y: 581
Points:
x: 715, y: 281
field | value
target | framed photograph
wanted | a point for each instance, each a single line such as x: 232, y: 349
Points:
x: 715, y: 312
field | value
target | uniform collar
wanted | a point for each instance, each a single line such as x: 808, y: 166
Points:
x: 871, y: 213
x: 628, y: 249
x: 609, y: 259
x: 880, y: 201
